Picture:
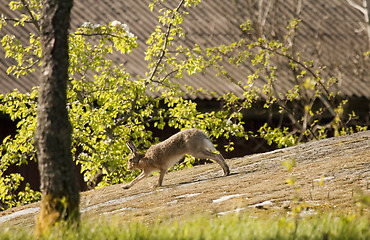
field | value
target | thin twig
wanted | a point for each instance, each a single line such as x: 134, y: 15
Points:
x: 299, y: 63
x: 109, y: 130
x: 17, y: 20
x: 34, y: 20
x: 324, y: 101
x: 96, y: 34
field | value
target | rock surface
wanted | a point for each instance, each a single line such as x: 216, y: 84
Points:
x: 328, y: 174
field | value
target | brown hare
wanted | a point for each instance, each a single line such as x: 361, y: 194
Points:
x: 166, y: 154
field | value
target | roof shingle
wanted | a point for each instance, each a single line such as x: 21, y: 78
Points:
x: 329, y: 34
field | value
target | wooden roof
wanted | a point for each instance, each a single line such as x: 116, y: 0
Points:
x: 331, y: 33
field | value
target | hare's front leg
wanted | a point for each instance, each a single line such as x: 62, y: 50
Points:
x: 160, y: 180
x: 138, y: 178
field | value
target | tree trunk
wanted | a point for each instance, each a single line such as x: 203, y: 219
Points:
x: 367, y: 20
x: 60, y: 191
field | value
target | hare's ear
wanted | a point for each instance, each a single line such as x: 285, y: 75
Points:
x: 132, y: 147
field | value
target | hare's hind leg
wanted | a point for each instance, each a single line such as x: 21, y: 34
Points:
x: 220, y: 160
x: 217, y: 157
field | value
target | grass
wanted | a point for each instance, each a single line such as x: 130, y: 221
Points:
x: 240, y: 226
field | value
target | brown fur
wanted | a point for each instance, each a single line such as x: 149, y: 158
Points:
x: 165, y: 154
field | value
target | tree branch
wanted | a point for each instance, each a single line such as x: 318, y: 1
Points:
x: 164, y: 47
x: 356, y: 6
x: 17, y: 20
x: 325, y: 102
x: 365, y: 10
x: 97, y: 34
x: 34, y: 20
x: 109, y: 130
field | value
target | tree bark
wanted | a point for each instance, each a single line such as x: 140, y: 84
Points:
x: 60, y: 191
